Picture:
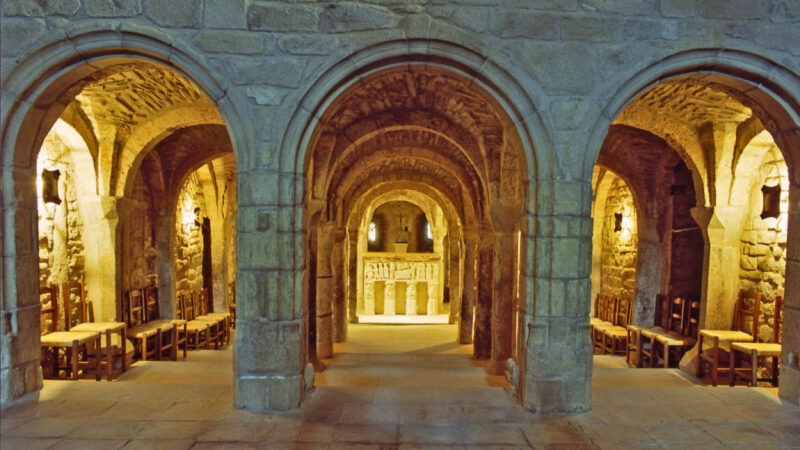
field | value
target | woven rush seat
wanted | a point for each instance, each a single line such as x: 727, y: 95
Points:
x: 67, y: 338
x: 594, y: 321
x: 763, y: 348
x: 675, y: 339
x: 727, y: 335
x: 99, y: 327
x: 618, y: 332
x: 143, y: 331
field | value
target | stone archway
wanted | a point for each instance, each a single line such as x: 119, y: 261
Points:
x: 38, y: 93
x: 753, y: 94
x: 440, y: 169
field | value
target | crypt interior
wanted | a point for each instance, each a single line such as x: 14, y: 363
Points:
x: 395, y: 251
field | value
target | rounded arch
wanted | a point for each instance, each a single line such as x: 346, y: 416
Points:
x: 480, y: 71
x: 768, y: 86
x: 37, y: 89
x: 35, y: 94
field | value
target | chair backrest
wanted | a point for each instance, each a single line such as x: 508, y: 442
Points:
x: 777, y: 337
x: 662, y: 311
x: 232, y: 296
x: 151, y: 308
x: 609, y: 308
x: 677, y: 315
x: 135, y: 308
x: 179, y: 306
x: 67, y: 288
x: 623, y: 316
x: 49, y: 293
x: 598, y: 301
x: 200, y: 301
x: 691, y: 324
x: 187, y: 305
x: 748, y: 309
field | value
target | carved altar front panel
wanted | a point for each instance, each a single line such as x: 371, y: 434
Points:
x: 407, y: 268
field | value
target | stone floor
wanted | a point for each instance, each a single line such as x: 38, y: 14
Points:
x: 406, y: 387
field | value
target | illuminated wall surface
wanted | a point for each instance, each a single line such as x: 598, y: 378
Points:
x: 556, y: 149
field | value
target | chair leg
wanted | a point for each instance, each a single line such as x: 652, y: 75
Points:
x: 74, y: 358
x: 108, y: 356
x: 715, y: 363
x: 732, y: 367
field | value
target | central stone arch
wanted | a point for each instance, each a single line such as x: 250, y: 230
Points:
x: 500, y: 227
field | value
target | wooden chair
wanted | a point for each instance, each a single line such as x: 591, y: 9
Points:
x: 642, y: 340
x: 151, y: 336
x: 682, y: 333
x: 747, y: 311
x: 614, y: 338
x: 75, y: 345
x: 216, y: 332
x: 153, y: 316
x: 756, y: 350
x: 231, y: 299
x: 201, y: 305
x: 196, y: 331
x: 608, y: 311
x: 108, y: 353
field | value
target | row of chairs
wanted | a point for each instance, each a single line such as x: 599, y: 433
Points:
x: 202, y: 327
x: 63, y: 350
x: 744, y: 349
x: 609, y: 329
x: 673, y: 333
x: 736, y: 353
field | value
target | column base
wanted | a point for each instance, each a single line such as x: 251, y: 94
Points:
x: 497, y: 367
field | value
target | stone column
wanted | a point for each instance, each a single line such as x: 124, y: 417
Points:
x: 433, y: 289
x: 789, y: 388
x: 468, y: 293
x: 722, y: 228
x: 504, y: 261
x: 453, y: 279
x: 339, y: 299
x: 352, y: 277
x: 649, y: 268
x: 325, y: 238
x: 411, y: 298
x: 104, y: 248
x: 388, y: 298
x: 482, y: 345
x: 369, y: 297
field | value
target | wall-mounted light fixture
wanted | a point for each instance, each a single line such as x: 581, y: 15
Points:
x: 617, y: 222
x: 50, y: 186
x: 772, y: 201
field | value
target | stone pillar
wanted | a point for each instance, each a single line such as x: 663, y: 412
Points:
x: 433, y: 302
x: 104, y: 249
x: 388, y: 298
x: 411, y: 298
x: 649, y: 267
x: 453, y: 279
x: 352, y: 277
x: 722, y: 228
x: 789, y: 388
x: 339, y: 299
x: 468, y: 293
x: 369, y: 298
x: 482, y: 345
x: 325, y: 238
x: 504, y: 261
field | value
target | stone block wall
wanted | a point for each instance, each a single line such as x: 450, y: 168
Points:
x: 61, y: 247
x: 140, y: 246
x: 189, y: 236
x: 763, y: 243
x: 566, y: 67
x: 619, y: 246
